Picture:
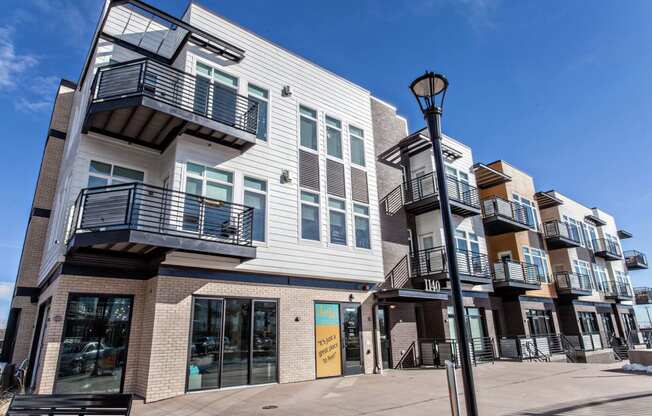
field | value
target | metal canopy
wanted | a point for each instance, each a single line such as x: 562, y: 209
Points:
x: 622, y: 234
x: 595, y: 220
x: 486, y: 176
x: 411, y: 145
x: 409, y: 295
x: 547, y: 200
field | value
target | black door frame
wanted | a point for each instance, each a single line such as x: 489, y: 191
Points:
x: 37, y: 346
x: 343, y: 306
x: 385, y: 311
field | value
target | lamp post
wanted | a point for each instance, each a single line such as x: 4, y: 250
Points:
x: 430, y: 91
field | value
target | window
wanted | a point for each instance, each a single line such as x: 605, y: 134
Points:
x: 224, y: 98
x: 333, y: 137
x: 538, y: 258
x: 216, y: 184
x: 260, y: 96
x: 458, y: 188
x: 467, y: 241
x: 357, y: 145
x: 600, y: 276
x: 468, y: 247
x: 529, y: 211
x: 581, y: 268
x: 308, y: 127
x: 590, y: 236
x: 255, y: 196
x: 612, y: 243
x: 309, y: 216
x: 102, y: 174
x: 337, y: 218
x: 573, y: 228
x: 621, y: 277
x: 540, y: 322
x: 361, y: 215
x: 588, y: 323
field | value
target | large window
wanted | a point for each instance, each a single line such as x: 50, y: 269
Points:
x: 216, y: 184
x: 600, y: 275
x: 337, y: 218
x: 540, y: 322
x: 529, y: 211
x: 94, y: 347
x: 539, y: 259
x: 309, y: 216
x: 255, y: 196
x: 573, y: 228
x: 582, y: 268
x: 468, y: 245
x: 260, y: 96
x: 308, y: 127
x: 362, y: 235
x: 588, y: 323
x: 590, y: 236
x: 233, y: 343
x: 102, y: 174
x: 475, y: 323
x: 333, y: 137
x: 225, y: 92
x: 357, y: 145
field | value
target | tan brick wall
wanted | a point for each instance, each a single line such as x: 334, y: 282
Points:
x: 158, y: 344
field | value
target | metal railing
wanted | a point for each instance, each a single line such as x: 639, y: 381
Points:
x: 560, y: 229
x: 398, y: 276
x: 620, y: 289
x: 433, y: 261
x: 136, y: 206
x: 196, y: 94
x: 499, y: 207
x: 436, y: 351
x: 520, y: 272
x: 606, y: 246
x: 533, y: 347
x: 635, y: 258
x: 425, y: 186
x: 573, y: 281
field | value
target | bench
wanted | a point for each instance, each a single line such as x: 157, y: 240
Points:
x: 70, y: 404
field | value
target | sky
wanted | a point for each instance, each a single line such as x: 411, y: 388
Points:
x: 560, y: 89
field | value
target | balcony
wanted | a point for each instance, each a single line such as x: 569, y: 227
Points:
x: 573, y: 284
x: 617, y: 290
x: 512, y: 276
x: 420, y: 195
x: 501, y: 216
x: 148, y: 103
x: 431, y: 264
x: 559, y: 235
x: 607, y: 249
x: 635, y: 260
x: 144, y: 220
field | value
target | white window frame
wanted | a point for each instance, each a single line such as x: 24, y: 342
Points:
x: 530, y: 253
x: 110, y: 176
x: 364, y: 146
x: 341, y: 211
x: 265, y: 193
x: 528, y: 205
x: 319, y: 215
x: 205, y: 179
x: 269, y: 108
x: 580, y: 266
x: 368, y: 218
x: 315, y: 119
x: 572, y: 222
x: 340, y: 129
x: 600, y: 276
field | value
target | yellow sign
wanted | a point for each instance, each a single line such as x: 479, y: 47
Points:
x: 327, y: 340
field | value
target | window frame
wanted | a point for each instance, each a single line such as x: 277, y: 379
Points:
x: 529, y: 206
x: 364, y: 146
x: 265, y: 193
x: 532, y: 253
x: 340, y: 211
x: 205, y: 179
x: 366, y: 217
x: 316, y: 120
x: 339, y: 129
x: 319, y: 214
x: 110, y: 177
x: 267, y: 113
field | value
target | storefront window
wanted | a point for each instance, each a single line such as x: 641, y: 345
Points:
x: 94, y: 346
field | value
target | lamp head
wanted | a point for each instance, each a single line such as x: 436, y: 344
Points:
x: 430, y: 90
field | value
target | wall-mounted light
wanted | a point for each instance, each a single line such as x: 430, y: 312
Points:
x: 285, y: 176
x: 297, y: 319
x: 351, y: 297
x: 286, y: 91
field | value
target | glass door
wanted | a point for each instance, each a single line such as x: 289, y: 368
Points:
x: 205, y: 345
x: 608, y: 324
x: 263, y: 355
x: 235, y: 364
x: 351, y: 355
x: 383, y: 328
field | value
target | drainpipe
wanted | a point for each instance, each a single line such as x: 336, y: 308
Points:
x: 378, y: 354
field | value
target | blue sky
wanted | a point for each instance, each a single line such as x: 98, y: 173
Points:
x: 561, y: 90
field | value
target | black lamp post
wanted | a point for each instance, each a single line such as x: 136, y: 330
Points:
x: 430, y: 91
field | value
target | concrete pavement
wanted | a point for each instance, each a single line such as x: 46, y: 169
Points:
x: 504, y: 388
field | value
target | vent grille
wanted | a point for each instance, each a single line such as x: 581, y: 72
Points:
x: 309, y: 170
x: 359, y: 187
x: 335, y: 178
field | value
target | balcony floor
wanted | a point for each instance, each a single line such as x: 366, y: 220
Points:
x: 431, y: 203
x: 497, y: 224
x: 561, y: 242
x: 514, y: 287
x: 608, y: 256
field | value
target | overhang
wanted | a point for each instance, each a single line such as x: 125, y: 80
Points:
x: 547, y: 200
x: 486, y: 176
x: 411, y: 145
x: 409, y: 295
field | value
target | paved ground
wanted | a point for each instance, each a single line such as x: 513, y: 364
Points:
x: 504, y: 388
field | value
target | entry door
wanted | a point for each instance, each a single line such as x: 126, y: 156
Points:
x: 44, y: 316
x: 351, y: 345
x: 383, y: 328
x: 608, y: 325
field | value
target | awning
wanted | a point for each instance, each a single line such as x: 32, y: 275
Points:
x: 486, y: 176
x: 414, y: 144
x: 547, y: 200
x: 595, y: 220
x: 409, y: 295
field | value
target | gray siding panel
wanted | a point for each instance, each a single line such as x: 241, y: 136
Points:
x: 309, y: 170
x: 335, y: 178
x: 359, y: 187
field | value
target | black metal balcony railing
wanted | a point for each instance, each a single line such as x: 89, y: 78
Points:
x: 616, y: 289
x: 499, y: 207
x: 559, y: 229
x: 635, y: 259
x: 196, y: 94
x: 148, y: 208
x: 567, y: 281
x: 606, y: 247
x: 425, y: 186
x: 432, y: 261
x: 513, y: 271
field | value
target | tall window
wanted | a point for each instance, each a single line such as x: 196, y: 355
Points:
x: 333, y: 137
x: 581, y: 268
x: 255, y: 196
x: 459, y: 189
x: 468, y: 246
x: 225, y: 92
x: 260, y: 96
x: 540, y: 322
x: 529, y: 211
x: 216, y: 184
x: 102, y: 174
x: 590, y: 236
x: 337, y: 219
x: 613, y: 242
x: 588, y: 323
x: 538, y: 258
x: 308, y: 127
x: 573, y: 228
x: 309, y: 216
x: 362, y: 235
x: 600, y: 277
x: 357, y: 146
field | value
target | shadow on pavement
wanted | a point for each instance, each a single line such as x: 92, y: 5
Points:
x: 639, y: 404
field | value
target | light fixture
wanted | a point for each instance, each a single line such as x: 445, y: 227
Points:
x: 430, y: 90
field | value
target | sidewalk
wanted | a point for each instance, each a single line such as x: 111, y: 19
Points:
x: 505, y: 388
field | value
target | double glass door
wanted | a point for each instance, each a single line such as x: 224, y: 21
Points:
x: 233, y: 343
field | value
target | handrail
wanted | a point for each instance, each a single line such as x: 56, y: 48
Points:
x: 559, y: 229
x: 425, y: 186
x: 411, y: 351
x: 398, y: 276
x: 433, y: 261
x: 520, y: 272
x: 164, y: 83
x: 500, y: 207
x: 149, y: 208
x: 635, y: 257
x: 573, y: 281
x: 607, y: 246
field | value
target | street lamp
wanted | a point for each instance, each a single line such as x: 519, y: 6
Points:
x: 430, y: 90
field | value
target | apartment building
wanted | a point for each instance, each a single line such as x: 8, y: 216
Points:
x: 415, y: 298
x: 594, y: 290
x: 208, y: 214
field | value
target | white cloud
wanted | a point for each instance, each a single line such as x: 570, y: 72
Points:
x: 39, y: 95
x: 6, y: 291
x: 12, y: 65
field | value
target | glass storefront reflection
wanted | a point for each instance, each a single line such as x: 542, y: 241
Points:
x: 94, y: 347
